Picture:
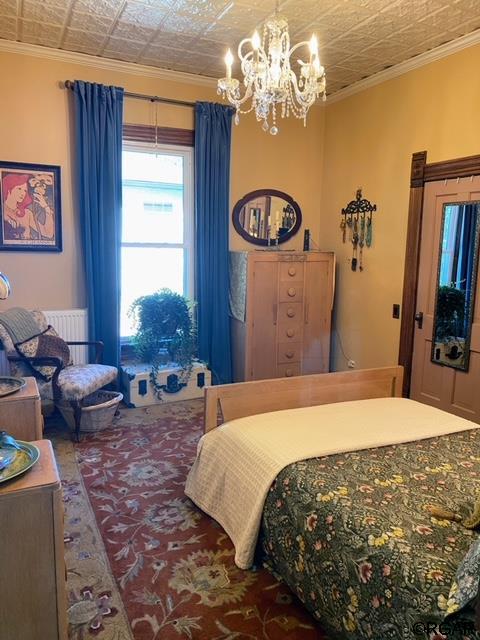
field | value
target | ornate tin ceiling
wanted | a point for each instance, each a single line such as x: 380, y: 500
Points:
x: 357, y: 38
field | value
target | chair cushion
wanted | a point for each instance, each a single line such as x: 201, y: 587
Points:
x: 80, y: 380
x: 47, y: 343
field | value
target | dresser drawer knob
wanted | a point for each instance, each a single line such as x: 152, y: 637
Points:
x: 291, y: 312
x: 289, y: 354
x: 290, y: 333
x: 292, y: 271
x: 292, y: 292
x: 288, y: 373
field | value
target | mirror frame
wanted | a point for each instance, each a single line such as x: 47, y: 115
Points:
x: 263, y: 242
x: 469, y: 317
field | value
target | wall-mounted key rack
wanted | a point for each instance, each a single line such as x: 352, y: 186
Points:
x: 357, y: 224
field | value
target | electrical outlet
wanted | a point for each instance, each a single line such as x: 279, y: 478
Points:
x: 351, y: 364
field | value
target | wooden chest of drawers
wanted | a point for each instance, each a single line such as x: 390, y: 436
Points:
x: 21, y: 413
x: 284, y: 329
x: 32, y: 586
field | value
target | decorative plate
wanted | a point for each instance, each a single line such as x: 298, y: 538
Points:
x: 10, y: 385
x: 4, y: 287
x: 24, y: 460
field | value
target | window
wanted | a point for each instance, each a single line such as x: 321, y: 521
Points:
x: 157, y: 224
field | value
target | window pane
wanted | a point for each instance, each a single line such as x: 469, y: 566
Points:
x: 152, y: 197
x: 144, y: 271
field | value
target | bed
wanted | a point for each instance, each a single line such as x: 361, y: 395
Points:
x: 355, y: 497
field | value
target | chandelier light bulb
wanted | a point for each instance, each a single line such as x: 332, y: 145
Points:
x: 228, y: 63
x: 313, y: 45
x: 256, y: 40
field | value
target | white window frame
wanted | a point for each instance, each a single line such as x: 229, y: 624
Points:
x: 188, y: 210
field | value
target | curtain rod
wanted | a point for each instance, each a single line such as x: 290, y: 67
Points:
x: 142, y: 96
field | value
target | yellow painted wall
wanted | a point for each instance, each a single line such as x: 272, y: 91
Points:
x: 365, y: 140
x: 369, y: 141
x: 35, y: 126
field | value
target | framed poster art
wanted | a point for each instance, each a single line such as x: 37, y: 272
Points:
x: 30, y: 207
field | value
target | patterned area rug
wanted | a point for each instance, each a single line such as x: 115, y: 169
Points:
x: 95, y: 605
x: 172, y: 566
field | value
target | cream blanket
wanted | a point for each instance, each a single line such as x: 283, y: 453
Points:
x: 237, y: 462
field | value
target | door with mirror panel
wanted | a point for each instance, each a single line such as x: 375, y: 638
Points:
x: 446, y: 356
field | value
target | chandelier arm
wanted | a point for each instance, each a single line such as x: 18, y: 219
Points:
x: 297, y: 46
x: 240, y: 46
x: 239, y: 101
x: 308, y: 90
x: 304, y: 99
x: 246, y: 60
x: 250, y: 54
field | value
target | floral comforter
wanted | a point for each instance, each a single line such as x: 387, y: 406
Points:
x: 350, y: 535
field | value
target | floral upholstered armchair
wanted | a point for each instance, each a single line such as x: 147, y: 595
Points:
x: 65, y: 383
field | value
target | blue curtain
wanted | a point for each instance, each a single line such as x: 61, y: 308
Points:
x: 98, y: 120
x: 213, y: 128
x: 466, y: 251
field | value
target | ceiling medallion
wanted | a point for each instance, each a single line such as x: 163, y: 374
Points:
x: 269, y: 79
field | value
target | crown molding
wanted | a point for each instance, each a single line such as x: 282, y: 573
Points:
x: 400, y: 69
x: 109, y: 64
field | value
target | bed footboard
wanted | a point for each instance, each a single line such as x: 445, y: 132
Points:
x: 261, y: 396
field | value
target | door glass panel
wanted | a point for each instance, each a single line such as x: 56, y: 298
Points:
x: 456, y: 284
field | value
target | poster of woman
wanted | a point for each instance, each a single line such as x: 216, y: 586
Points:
x: 30, y: 209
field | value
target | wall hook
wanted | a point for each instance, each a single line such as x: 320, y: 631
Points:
x: 360, y: 230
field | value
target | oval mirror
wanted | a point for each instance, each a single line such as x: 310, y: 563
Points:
x: 267, y: 217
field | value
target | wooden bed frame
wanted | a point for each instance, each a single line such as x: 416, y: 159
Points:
x: 261, y: 396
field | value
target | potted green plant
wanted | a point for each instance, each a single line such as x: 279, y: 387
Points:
x: 165, y: 331
x: 450, y: 317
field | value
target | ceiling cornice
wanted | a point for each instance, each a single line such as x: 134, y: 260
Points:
x: 421, y: 60
x: 60, y: 55
x: 97, y: 62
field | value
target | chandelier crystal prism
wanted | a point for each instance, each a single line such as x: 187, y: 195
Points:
x: 269, y: 79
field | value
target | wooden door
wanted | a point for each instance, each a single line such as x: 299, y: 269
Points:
x: 263, y: 300
x: 319, y: 278
x: 440, y: 386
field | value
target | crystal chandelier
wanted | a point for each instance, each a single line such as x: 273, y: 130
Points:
x: 269, y: 79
